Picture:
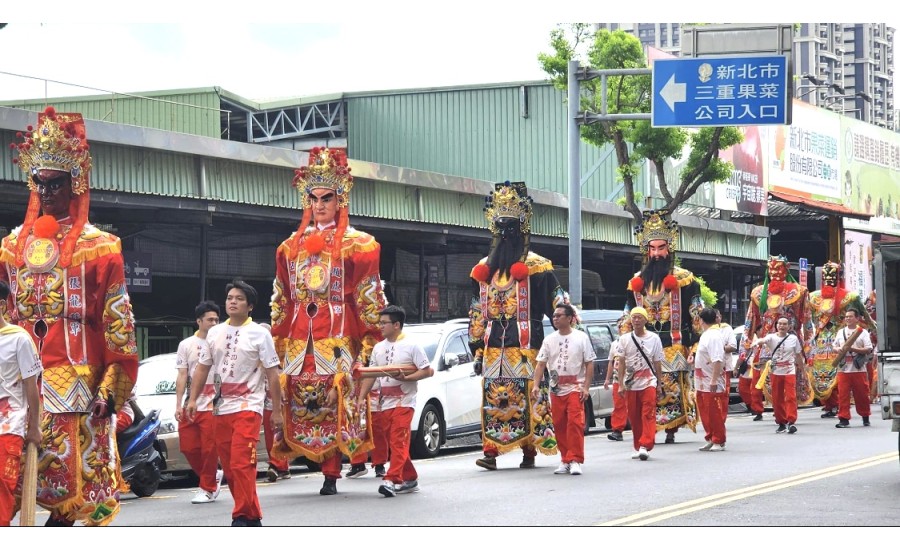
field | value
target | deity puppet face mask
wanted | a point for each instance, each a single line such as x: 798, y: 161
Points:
x: 777, y: 268
x: 831, y: 274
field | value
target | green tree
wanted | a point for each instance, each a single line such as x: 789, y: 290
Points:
x: 632, y: 94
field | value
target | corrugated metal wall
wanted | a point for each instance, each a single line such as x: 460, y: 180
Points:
x: 190, y: 113
x: 144, y: 171
x: 478, y: 134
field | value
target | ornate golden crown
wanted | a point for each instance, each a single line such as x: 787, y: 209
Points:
x: 58, y: 143
x: 657, y: 226
x: 327, y: 169
x: 509, y: 200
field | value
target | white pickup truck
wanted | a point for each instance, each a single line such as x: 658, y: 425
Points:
x: 887, y: 308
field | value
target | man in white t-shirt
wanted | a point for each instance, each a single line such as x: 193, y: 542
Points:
x: 709, y: 381
x: 196, y: 438
x: 730, y: 346
x: 787, y: 352
x: 569, y: 356
x: 20, y: 407
x: 853, y: 378
x: 242, y: 356
x: 398, y: 397
x: 640, y: 366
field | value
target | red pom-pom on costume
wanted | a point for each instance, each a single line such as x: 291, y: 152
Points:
x: 776, y: 287
x: 481, y: 272
x: 314, y: 244
x: 45, y: 227
x: 828, y: 292
x: 636, y: 284
x: 670, y: 283
x: 519, y: 271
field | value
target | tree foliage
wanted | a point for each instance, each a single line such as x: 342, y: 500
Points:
x: 632, y: 94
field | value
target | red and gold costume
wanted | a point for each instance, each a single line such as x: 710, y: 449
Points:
x: 326, y: 302
x: 674, y: 310
x: 506, y: 332
x: 828, y: 307
x: 779, y: 296
x: 68, y: 291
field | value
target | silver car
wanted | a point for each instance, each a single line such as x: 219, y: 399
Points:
x: 155, y: 389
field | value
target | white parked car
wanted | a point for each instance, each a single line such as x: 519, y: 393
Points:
x: 448, y: 404
x: 155, y: 389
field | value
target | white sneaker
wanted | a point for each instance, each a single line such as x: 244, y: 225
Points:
x: 643, y: 453
x: 716, y: 448
x: 203, y: 497
x: 562, y: 469
x: 219, y: 475
x: 575, y: 468
x: 635, y: 455
x: 708, y: 446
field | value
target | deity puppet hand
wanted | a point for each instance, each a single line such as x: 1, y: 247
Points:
x: 101, y: 407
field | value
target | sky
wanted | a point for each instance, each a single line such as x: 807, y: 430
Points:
x: 95, y: 47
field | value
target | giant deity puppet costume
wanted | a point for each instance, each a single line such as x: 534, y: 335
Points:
x: 326, y: 302
x: 515, y: 288
x: 828, y: 307
x: 68, y: 291
x: 780, y: 295
x: 671, y: 296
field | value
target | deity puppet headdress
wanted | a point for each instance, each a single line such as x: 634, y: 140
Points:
x: 326, y: 169
x: 57, y: 143
x: 510, y: 201
x: 657, y: 226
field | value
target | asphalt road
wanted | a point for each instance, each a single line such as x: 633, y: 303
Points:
x: 820, y: 476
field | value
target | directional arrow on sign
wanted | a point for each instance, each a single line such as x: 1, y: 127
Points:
x: 673, y: 93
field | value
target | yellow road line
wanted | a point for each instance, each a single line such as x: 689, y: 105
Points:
x: 660, y: 514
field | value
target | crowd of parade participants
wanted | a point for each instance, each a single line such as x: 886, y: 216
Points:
x: 333, y: 375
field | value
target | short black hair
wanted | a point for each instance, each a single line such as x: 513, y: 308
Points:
x: 4, y: 290
x: 708, y: 315
x: 205, y: 307
x: 853, y: 309
x: 249, y: 291
x: 396, y: 313
x: 570, y: 311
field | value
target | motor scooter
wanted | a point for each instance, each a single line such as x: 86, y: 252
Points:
x: 139, y: 452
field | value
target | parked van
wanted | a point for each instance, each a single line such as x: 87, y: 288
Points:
x: 600, y: 326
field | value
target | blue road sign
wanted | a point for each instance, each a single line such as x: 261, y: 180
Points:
x: 721, y: 91
x: 804, y: 264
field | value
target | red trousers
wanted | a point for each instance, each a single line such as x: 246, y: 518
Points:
x: 269, y: 431
x: 833, y: 401
x: 237, y: 435
x: 723, y: 404
x: 750, y: 395
x: 568, y: 421
x: 757, y: 396
x: 10, y: 460
x: 784, y: 397
x: 642, y: 413
x: 709, y: 405
x: 396, y: 424
x: 857, y: 384
x: 619, y: 418
x: 381, y: 452
x: 197, y: 441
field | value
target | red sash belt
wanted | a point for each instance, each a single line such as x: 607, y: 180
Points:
x: 568, y: 379
x: 391, y: 391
